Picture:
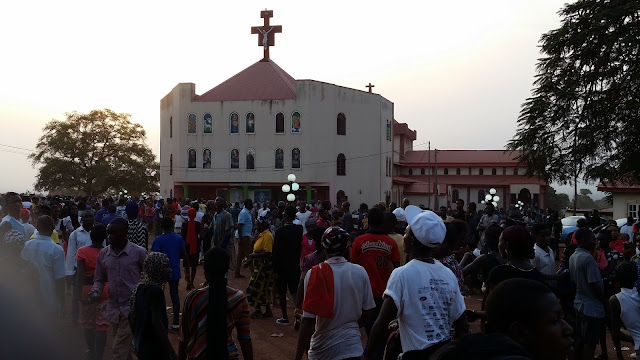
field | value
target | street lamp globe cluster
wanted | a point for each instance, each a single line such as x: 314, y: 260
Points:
x: 491, y: 198
x: 293, y: 186
x: 519, y: 205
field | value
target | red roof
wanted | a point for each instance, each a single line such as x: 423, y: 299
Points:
x: 419, y: 184
x: 403, y: 129
x: 619, y: 187
x: 264, y: 80
x: 460, y: 158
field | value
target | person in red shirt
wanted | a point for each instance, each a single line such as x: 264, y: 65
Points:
x: 173, y: 208
x: 379, y: 255
x: 308, y: 245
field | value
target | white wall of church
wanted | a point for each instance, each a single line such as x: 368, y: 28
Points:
x: 364, y: 145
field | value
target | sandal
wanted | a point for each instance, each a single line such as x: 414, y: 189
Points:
x: 257, y: 315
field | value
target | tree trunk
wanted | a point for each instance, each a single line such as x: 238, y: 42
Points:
x: 575, y: 195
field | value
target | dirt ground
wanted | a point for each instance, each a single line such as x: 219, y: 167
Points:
x: 276, y: 342
x: 268, y: 347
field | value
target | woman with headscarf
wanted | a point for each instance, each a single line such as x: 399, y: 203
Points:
x: 137, y: 231
x: 259, y: 292
x: 148, y: 310
x: 211, y: 313
x: 191, y: 235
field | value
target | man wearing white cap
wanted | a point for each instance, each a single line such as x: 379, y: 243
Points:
x: 423, y: 294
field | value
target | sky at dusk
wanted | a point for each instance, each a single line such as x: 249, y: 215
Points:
x: 457, y: 72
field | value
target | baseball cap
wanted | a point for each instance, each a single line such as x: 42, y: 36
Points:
x: 426, y: 226
x: 400, y: 215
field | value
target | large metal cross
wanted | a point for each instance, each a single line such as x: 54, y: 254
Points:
x: 266, y: 33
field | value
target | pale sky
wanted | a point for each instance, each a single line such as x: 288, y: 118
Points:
x: 457, y: 72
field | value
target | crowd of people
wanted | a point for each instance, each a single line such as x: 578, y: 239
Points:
x: 400, y: 273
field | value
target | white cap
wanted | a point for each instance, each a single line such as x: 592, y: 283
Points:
x: 399, y: 213
x: 426, y: 226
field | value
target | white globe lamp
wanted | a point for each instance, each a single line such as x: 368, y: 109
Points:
x: 496, y: 198
x: 291, y: 198
x: 495, y: 204
x: 286, y: 188
x: 291, y: 177
x: 488, y: 197
x: 295, y: 187
x: 492, y: 191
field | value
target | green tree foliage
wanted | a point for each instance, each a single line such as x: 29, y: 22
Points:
x: 586, y: 202
x: 556, y: 201
x: 582, y: 118
x: 585, y: 192
x: 94, y: 153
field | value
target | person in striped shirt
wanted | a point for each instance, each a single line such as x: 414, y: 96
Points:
x: 206, y: 332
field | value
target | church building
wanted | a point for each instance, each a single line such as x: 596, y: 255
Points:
x: 243, y: 138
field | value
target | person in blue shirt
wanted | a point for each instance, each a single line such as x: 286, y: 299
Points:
x: 103, y: 211
x: 235, y: 212
x: 172, y: 245
x: 109, y: 216
x: 245, y: 228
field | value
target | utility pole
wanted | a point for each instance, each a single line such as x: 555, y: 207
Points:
x: 429, y: 177
x: 436, y: 203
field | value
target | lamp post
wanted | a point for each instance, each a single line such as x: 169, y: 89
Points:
x: 291, y: 186
x: 491, y: 198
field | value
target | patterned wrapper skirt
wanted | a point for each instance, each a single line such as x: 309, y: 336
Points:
x: 261, y: 283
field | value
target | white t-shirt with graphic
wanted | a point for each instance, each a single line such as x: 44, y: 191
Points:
x: 428, y: 300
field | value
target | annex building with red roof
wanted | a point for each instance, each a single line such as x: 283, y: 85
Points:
x: 436, y: 178
x: 625, y: 196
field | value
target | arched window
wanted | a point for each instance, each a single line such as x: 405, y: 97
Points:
x: 494, y: 171
x: 457, y: 171
x: 446, y: 171
x: 251, y: 159
x: 341, y: 165
x: 206, y: 159
x: 235, y: 159
x: 422, y: 171
x: 295, y: 158
x: 455, y: 195
x: 171, y: 164
x: 279, y: 123
x: 192, y: 123
x: 410, y: 171
x: 207, y: 124
x: 192, y: 159
x: 250, y: 127
x: 481, y: 171
x: 234, y: 123
x: 342, y: 124
x: 515, y: 171
x: 171, y: 127
x: 279, y: 159
x: 480, y: 196
x: 295, y: 122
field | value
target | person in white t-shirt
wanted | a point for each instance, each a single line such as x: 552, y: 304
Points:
x: 423, y: 294
x: 303, y: 215
x: 264, y: 211
x: 543, y: 260
x: 625, y: 307
x: 336, y: 294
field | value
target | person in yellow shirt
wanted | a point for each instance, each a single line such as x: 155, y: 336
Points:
x: 259, y: 292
